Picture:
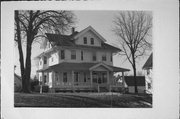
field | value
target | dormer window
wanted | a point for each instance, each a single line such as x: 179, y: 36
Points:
x: 85, y: 40
x: 92, y: 41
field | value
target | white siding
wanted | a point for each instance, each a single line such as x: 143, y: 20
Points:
x: 54, y: 59
x: 89, y: 35
x: 148, y: 78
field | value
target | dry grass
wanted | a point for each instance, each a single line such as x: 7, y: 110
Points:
x: 82, y: 100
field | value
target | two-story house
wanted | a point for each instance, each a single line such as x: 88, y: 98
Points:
x: 80, y: 61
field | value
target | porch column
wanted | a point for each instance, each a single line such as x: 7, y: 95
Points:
x: 91, y: 78
x: 42, y: 82
x: 72, y: 80
x: 42, y: 78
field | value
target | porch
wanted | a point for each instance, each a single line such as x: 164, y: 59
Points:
x: 91, y: 77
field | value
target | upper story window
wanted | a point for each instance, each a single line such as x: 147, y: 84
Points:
x: 85, y: 40
x: 73, y: 54
x: 94, y: 56
x: 92, y: 41
x: 82, y: 57
x: 62, y: 54
x: 111, y: 58
x: 104, y: 57
x: 45, y: 60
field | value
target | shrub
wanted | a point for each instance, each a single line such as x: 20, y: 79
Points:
x: 33, y: 84
x: 45, y: 88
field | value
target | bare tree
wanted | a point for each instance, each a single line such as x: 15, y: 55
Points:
x: 134, y: 30
x: 30, y: 27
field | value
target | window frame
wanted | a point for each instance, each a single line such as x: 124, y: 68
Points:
x: 73, y: 56
x: 94, y: 57
x: 62, y: 54
x: 45, y: 60
x: 82, y: 55
x: 104, y: 57
x: 92, y: 41
x: 85, y: 40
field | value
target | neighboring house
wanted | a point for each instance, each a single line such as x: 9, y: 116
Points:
x: 80, y: 61
x: 148, y: 68
x: 129, y: 80
x: 17, y: 83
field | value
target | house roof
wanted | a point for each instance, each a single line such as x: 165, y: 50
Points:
x: 78, y: 66
x: 67, y: 40
x: 149, y: 62
x: 130, y: 80
x: 91, y: 29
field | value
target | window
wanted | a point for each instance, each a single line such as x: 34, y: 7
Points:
x: 148, y: 71
x: 85, y: 40
x: 149, y: 85
x: 73, y: 54
x: 52, y: 59
x: 45, y: 60
x: 65, y: 77
x: 92, y: 41
x: 94, y: 56
x: 82, y: 55
x: 85, y: 77
x: 62, y: 54
x: 104, y: 57
x: 76, y: 76
x: 111, y: 58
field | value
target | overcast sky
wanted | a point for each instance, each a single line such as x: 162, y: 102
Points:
x: 102, y: 22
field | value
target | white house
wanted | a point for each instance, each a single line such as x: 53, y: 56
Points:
x: 80, y: 61
x: 148, y: 68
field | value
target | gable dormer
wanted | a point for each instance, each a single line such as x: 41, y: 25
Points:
x: 89, y: 37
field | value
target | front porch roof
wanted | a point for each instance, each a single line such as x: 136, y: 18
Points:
x: 80, y: 66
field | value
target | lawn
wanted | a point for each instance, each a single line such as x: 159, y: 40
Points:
x: 82, y: 100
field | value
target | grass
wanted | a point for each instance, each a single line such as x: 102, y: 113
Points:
x: 82, y: 100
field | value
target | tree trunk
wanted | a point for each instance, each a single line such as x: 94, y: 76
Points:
x: 21, y: 58
x: 28, y: 65
x: 134, y: 71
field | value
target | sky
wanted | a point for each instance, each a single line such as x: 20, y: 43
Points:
x: 102, y: 22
